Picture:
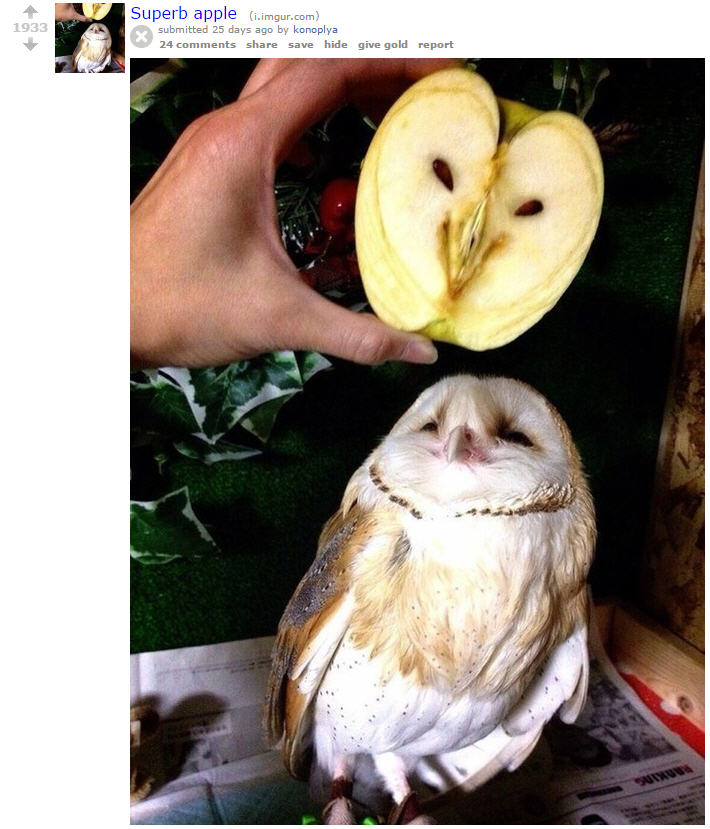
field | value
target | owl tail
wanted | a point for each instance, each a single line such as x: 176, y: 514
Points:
x: 474, y: 765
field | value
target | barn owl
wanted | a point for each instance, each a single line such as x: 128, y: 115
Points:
x: 93, y: 52
x: 444, y: 619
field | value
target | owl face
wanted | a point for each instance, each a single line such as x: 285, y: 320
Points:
x: 96, y: 41
x: 97, y: 32
x: 489, y: 442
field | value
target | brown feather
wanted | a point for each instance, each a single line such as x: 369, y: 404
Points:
x: 314, y: 603
x: 423, y: 626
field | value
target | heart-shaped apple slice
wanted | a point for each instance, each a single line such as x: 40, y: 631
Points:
x: 96, y: 11
x: 473, y: 214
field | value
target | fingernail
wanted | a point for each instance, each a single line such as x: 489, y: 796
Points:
x: 420, y: 350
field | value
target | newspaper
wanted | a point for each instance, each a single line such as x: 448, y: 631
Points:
x: 617, y: 764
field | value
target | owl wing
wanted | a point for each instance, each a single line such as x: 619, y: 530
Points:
x: 311, y: 628
x: 560, y: 687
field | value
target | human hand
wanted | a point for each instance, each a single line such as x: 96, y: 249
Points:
x: 66, y: 11
x: 211, y: 282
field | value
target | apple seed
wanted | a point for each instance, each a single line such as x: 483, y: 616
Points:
x: 443, y: 173
x: 529, y: 208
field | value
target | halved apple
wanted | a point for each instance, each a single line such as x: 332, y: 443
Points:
x: 96, y: 11
x: 473, y: 213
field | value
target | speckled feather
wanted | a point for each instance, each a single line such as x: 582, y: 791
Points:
x: 313, y: 605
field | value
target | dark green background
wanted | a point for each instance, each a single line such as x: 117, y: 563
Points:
x: 602, y: 356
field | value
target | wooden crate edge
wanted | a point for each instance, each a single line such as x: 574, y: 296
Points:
x: 663, y: 661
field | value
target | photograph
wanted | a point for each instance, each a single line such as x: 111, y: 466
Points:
x: 408, y: 339
x: 89, y: 38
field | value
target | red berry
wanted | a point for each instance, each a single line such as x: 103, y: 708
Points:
x: 317, y: 242
x: 337, y: 207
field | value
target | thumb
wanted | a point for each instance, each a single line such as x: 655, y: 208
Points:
x: 362, y: 338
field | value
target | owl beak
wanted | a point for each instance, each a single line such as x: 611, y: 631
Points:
x: 462, y: 445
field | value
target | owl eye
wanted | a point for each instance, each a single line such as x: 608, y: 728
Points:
x: 430, y: 426
x: 513, y: 436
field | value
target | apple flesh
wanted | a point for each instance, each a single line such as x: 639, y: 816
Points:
x: 96, y: 11
x: 473, y: 213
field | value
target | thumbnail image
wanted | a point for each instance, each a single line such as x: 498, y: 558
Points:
x: 89, y: 37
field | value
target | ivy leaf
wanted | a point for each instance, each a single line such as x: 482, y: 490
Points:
x: 260, y: 421
x: 66, y: 37
x: 194, y: 447
x: 310, y: 363
x: 195, y: 409
x: 160, y: 406
x: 144, y: 90
x: 167, y: 529
x: 220, y: 398
x: 592, y: 73
x: 582, y: 77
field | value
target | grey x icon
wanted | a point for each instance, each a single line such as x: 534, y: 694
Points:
x: 141, y: 36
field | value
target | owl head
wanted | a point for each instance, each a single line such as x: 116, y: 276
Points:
x: 97, y: 36
x: 479, y: 445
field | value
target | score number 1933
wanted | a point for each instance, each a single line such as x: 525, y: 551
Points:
x: 31, y: 27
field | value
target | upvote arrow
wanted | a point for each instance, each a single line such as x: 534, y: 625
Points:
x: 30, y: 11
x: 30, y: 44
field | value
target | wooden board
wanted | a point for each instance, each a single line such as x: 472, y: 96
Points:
x: 672, y: 581
x: 659, y: 658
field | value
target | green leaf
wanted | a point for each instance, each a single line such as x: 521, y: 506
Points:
x: 144, y: 89
x: 181, y: 379
x: 260, y: 421
x: 310, y: 363
x: 560, y: 72
x: 582, y: 77
x: 592, y: 73
x: 223, y: 450
x: 66, y: 36
x: 196, y: 408
x: 167, y: 529
x: 158, y: 405
x: 221, y: 397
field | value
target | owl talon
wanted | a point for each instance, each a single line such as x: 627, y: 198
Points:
x: 339, y: 812
x: 408, y: 812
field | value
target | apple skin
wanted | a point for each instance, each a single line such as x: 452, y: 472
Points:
x: 473, y: 213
